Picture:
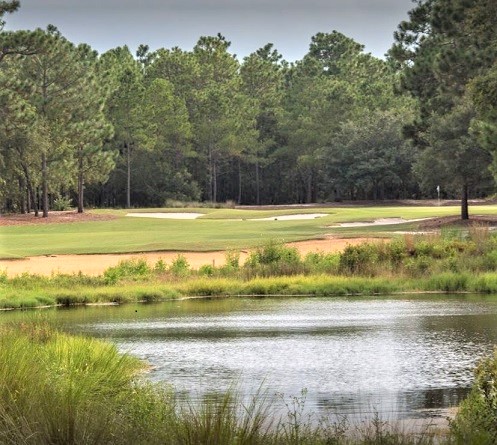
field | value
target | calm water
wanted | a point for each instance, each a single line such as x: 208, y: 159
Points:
x: 402, y: 357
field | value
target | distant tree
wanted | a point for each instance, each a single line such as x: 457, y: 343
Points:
x: 454, y: 157
x: 58, y: 82
x: 89, y: 128
x: 368, y: 157
x: 444, y: 45
x: 123, y: 107
x: 223, y: 118
x: 167, y: 133
x: 262, y: 74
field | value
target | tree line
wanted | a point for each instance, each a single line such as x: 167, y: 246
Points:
x: 127, y: 130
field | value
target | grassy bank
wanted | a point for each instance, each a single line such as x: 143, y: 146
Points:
x: 60, y: 389
x: 455, y: 261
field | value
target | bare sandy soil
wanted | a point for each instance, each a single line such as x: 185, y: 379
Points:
x: 96, y: 264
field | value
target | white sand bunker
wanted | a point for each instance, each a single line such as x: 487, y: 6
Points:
x: 381, y: 222
x: 291, y: 217
x: 166, y: 215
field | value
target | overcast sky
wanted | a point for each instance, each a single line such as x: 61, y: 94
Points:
x: 248, y: 24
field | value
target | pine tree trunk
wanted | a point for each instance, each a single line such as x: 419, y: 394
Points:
x: 257, y: 184
x: 214, y: 182
x: 81, y: 184
x: 22, y: 199
x: 128, y: 176
x: 44, y: 185
x: 308, y: 198
x: 211, y: 181
x: 239, y: 182
x: 464, y: 203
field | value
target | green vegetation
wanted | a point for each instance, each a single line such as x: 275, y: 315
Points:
x: 177, y: 125
x: 455, y: 261
x: 60, y: 389
x: 476, y: 419
x: 219, y: 229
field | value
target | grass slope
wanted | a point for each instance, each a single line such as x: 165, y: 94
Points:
x: 219, y: 229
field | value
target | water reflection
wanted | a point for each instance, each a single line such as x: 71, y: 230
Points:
x: 401, y: 357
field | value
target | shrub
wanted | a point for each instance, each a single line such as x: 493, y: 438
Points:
x: 160, y: 266
x: 232, y: 259
x: 358, y: 259
x: 180, y: 266
x: 134, y: 269
x: 206, y: 270
x: 62, y: 203
x: 476, y: 420
x: 318, y: 263
x: 273, y: 259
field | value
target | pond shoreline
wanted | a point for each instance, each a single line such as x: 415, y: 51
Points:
x: 238, y: 295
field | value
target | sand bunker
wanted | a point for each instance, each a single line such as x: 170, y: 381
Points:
x: 96, y: 264
x: 291, y: 217
x: 380, y: 222
x: 166, y: 215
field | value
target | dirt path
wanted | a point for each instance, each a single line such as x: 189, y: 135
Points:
x: 96, y: 264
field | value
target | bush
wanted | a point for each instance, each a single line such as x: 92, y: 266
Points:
x: 180, y: 266
x: 206, y: 270
x: 62, y: 203
x: 273, y: 259
x: 476, y: 420
x: 134, y: 269
x: 318, y: 263
x: 359, y: 259
x: 160, y: 267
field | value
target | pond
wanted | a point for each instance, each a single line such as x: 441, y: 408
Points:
x: 404, y: 358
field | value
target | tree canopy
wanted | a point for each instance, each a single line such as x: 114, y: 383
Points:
x: 145, y: 129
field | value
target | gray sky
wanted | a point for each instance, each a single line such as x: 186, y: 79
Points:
x: 248, y: 24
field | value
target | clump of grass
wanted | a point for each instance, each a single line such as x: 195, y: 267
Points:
x: 60, y: 389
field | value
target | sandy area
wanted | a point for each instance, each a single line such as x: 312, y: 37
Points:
x: 96, y: 264
x: 380, y: 222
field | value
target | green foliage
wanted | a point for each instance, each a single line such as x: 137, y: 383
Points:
x: 134, y: 269
x: 319, y: 263
x: 180, y: 266
x: 60, y: 389
x: 160, y: 267
x: 358, y: 259
x: 206, y: 270
x: 62, y: 203
x: 476, y: 420
x: 273, y: 258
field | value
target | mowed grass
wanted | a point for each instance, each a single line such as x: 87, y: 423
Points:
x: 219, y: 229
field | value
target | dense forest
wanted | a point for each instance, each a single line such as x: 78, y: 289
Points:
x: 146, y: 129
